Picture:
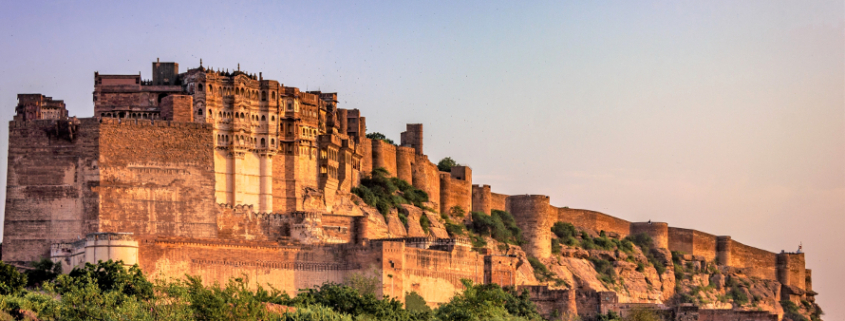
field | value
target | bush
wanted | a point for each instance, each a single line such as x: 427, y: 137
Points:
x: 383, y: 192
x: 556, y: 248
x: 110, y: 276
x: 563, y: 230
x: 646, y: 244
x: 45, y: 270
x: 604, y: 268
x: 11, y: 281
x: 425, y: 223
x: 381, y: 137
x: 457, y: 211
x: 446, y: 164
x: 500, y: 226
x: 485, y: 302
x: 415, y: 302
x: 455, y: 229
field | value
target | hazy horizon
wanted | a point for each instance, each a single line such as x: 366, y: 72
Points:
x: 726, y: 117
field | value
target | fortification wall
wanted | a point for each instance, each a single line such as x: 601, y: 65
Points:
x: 533, y: 215
x: 405, y: 162
x: 427, y: 178
x: 591, y: 220
x: 52, y: 167
x: 692, y: 242
x: 792, y: 272
x: 156, y: 178
x: 481, y: 199
x: 753, y: 261
x: 287, y: 268
x: 720, y: 315
x: 552, y: 302
x: 384, y: 156
x: 365, y: 146
x: 455, y: 192
x: 339, y: 228
x: 658, y: 231
x: 498, y: 202
x: 436, y: 275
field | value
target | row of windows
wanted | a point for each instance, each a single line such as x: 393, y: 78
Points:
x: 124, y: 114
x: 240, y: 91
x: 243, y: 140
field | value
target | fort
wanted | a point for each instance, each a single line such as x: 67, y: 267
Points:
x: 221, y: 174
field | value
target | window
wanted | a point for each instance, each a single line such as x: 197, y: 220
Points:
x: 262, y: 118
x: 199, y: 112
x: 273, y: 95
x: 263, y: 96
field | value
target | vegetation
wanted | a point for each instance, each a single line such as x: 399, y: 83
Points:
x: 605, y: 270
x: 446, y: 164
x: 488, y: 302
x: 500, y: 226
x: 11, y: 281
x: 425, y: 223
x: 383, y: 192
x: 108, y: 291
x: 543, y: 274
x: 381, y: 137
x: 646, y: 244
x: 565, y: 232
x: 44, y: 270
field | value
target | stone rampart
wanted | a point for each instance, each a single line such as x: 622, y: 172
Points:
x: 498, y: 202
x: 693, y: 242
x: 384, y: 156
x: 455, y: 192
x: 156, y: 178
x: 658, y: 231
x: 595, y: 221
x: 427, y: 178
x: 481, y: 199
x: 552, y: 302
x: 405, y: 162
x: 532, y: 215
x: 791, y: 271
x: 52, y: 167
x: 754, y: 262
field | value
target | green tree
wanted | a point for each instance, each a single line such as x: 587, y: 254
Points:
x: 446, y: 164
x: 11, y: 281
x: 415, y: 302
x: 45, y: 270
x: 380, y: 136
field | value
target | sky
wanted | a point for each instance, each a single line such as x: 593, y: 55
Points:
x: 723, y: 116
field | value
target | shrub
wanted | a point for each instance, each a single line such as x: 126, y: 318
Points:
x: 457, y: 211
x: 425, y: 223
x: 11, y: 281
x: 485, y: 302
x: 45, y: 270
x: 381, y: 137
x: 556, y: 248
x: 446, y: 164
x: 415, y: 302
x: 738, y: 295
x: 563, y: 230
x: 455, y: 229
x: 110, y: 276
x: 646, y: 244
x: 383, y: 192
x: 500, y: 226
x: 605, y: 270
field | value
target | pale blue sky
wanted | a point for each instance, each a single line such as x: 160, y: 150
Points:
x: 727, y: 117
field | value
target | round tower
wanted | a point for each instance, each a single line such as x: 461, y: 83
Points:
x: 481, y: 199
x: 532, y: 215
x: 658, y: 231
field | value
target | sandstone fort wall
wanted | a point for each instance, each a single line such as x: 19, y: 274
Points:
x: 52, y: 167
x: 427, y: 178
x: 156, y: 178
x: 692, y: 242
x: 384, y: 156
x: 455, y: 192
x: 498, y: 202
x: 481, y: 199
x: 405, y: 162
x: 592, y: 220
x: 531, y: 213
x: 658, y: 231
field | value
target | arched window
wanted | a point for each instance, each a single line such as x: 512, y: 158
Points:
x: 199, y: 112
x: 262, y: 118
x: 263, y: 96
x: 273, y: 95
x: 262, y: 143
x: 272, y: 118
